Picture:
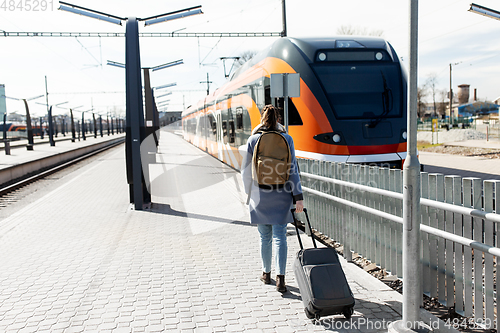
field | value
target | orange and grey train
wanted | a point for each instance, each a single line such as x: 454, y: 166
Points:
x: 352, y: 104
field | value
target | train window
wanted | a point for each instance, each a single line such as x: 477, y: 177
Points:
x: 231, y: 131
x: 267, y: 95
x: 294, y: 118
x: 239, y: 118
x: 361, y: 90
x: 224, y: 130
x: 213, y: 124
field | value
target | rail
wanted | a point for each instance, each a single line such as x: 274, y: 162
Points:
x: 361, y: 207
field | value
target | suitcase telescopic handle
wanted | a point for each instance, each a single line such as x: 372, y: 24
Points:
x: 295, y: 222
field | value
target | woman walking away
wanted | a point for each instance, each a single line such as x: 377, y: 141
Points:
x: 272, y: 183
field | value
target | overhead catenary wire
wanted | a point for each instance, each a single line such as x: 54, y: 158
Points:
x: 99, y: 62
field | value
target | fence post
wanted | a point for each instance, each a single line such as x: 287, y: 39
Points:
x: 424, y: 237
x: 468, y: 267
x: 459, y: 249
x: 350, y: 217
x: 478, y: 260
x: 497, y: 230
x: 488, y: 187
x: 449, y: 255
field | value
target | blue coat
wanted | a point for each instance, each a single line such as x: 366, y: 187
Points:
x: 270, y: 206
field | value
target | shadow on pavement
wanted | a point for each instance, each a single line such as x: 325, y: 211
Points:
x: 165, y: 209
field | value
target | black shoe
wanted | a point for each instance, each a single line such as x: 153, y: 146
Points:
x: 266, y: 278
x: 280, y: 284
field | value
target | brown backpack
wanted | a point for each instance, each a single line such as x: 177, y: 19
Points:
x: 271, y: 159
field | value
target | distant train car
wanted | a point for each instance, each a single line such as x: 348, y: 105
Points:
x: 352, y: 104
x: 13, y: 127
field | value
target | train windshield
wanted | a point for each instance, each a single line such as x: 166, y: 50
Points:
x: 362, y: 90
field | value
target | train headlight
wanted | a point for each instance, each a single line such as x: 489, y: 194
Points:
x: 336, y: 138
x: 322, y: 56
x: 404, y: 135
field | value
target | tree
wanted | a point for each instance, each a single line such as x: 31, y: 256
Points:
x: 362, y: 31
x: 421, y: 94
x: 431, y: 85
x: 442, y: 105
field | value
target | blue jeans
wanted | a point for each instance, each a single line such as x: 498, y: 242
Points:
x: 267, y: 233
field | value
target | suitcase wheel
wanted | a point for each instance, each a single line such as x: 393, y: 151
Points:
x: 309, y: 315
x: 348, y: 312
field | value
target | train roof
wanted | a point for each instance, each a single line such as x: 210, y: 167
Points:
x: 286, y: 48
x: 308, y: 47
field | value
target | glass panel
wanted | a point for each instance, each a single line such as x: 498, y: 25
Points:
x: 361, y: 90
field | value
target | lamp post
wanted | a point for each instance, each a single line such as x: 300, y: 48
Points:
x: 83, y: 126
x: 485, y: 11
x: 412, y: 292
x: 29, y: 128
x: 152, y: 118
x: 107, y: 122
x: 50, y: 122
x: 100, y: 124
x: 134, y: 110
x: 95, y: 126
x: 73, y: 129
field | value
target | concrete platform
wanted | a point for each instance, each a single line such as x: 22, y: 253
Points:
x: 469, y: 163
x: 22, y: 162
x: 190, y: 264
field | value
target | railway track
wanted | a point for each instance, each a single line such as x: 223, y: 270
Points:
x: 14, y: 192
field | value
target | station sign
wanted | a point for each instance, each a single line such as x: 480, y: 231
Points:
x: 285, y: 85
x: 3, y: 105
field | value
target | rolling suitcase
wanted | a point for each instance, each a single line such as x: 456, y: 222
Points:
x: 322, y: 282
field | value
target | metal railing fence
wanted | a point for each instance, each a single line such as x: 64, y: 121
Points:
x: 361, y: 207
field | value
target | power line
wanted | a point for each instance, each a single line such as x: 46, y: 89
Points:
x: 142, y: 34
x: 87, y: 92
x: 99, y: 62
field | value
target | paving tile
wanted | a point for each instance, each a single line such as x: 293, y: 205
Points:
x: 99, y: 266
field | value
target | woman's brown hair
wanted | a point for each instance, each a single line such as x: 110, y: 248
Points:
x: 269, y: 116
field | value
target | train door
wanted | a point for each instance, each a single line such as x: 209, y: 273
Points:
x: 220, y: 135
x: 205, y: 128
x: 205, y: 121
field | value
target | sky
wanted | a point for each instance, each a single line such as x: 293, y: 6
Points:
x: 77, y: 73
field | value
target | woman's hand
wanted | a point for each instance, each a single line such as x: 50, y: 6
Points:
x: 299, y: 206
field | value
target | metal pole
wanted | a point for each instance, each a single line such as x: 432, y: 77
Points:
x: 41, y: 128
x: 95, y: 126
x: 285, y: 99
x: 283, y: 7
x: 46, y: 95
x: 412, y: 293
x: 135, y: 115
x: 411, y: 189
x: 149, y: 103
x: 51, y: 128
x: 83, y: 126
x: 451, y: 98
x: 29, y: 128
x: 208, y: 85
x: 73, y: 132
x: 5, y: 127
x: 5, y: 141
